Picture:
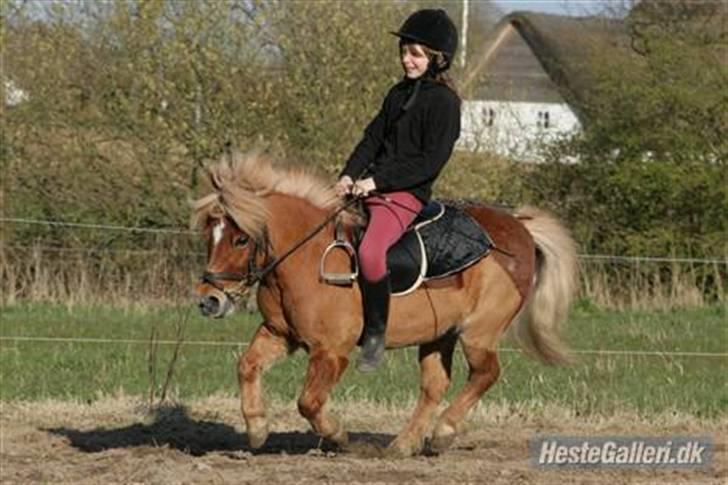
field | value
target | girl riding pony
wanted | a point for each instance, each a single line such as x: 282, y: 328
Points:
x: 403, y: 151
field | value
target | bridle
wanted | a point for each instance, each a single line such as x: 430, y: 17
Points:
x: 245, y: 280
x: 255, y: 274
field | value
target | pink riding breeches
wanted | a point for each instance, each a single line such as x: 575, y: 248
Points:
x: 388, y: 221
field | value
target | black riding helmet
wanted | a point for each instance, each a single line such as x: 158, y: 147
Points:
x: 433, y: 28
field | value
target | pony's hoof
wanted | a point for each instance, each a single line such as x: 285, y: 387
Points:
x: 443, y: 438
x: 404, y: 448
x: 442, y: 443
x: 257, y: 433
x: 341, y: 437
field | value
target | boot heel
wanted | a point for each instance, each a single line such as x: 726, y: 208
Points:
x: 372, y: 352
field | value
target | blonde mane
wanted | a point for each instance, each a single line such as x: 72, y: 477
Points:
x: 241, y: 183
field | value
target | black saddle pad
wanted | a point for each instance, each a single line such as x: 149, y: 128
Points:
x: 443, y: 241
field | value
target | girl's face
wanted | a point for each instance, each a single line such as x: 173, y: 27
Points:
x: 414, y: 60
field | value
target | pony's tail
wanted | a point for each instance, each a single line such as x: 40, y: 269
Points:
x: 537, y: 330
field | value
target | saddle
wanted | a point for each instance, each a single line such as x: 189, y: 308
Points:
x: 442, y: 240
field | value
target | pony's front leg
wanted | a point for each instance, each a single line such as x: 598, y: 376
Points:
x: 324, y: 370
x: 265, y: 348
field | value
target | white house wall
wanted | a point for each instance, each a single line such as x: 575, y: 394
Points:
x: 514, y: 129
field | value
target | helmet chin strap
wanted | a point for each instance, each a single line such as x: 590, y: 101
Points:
x: 415, y: 91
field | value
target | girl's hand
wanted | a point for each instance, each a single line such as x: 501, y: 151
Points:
x: 344, y: 186
x: 363, y: 187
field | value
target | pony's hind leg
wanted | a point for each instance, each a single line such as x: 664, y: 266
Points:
x: 484, y: 371
x: 435, y: 367
x: 498, y: 302
x: 265, y: 348
x: 325, y: 368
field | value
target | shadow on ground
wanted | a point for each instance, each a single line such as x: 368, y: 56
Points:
x: 173, y: 427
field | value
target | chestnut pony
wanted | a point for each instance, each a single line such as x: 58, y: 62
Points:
x: 259, y: 212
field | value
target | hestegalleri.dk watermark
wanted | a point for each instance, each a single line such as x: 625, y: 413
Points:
x: 620, y: 451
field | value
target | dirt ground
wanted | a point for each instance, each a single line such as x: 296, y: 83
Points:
x: 118, y: 440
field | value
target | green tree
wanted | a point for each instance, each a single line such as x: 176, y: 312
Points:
x: 129, y: 99
x: 651, y: 172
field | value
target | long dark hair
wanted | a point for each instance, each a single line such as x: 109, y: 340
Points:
x: 443, y: 76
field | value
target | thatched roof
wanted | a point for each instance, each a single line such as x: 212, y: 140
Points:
x: 567, y: 49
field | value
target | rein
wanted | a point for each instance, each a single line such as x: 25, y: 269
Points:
x: 256, y: 275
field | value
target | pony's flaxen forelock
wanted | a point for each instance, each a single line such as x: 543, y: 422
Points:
x: 241, y: 182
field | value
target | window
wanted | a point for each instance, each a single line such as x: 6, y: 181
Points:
x: 544, y: 119
x: 488, y: 116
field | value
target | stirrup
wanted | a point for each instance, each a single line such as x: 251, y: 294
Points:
x: 339, y: 279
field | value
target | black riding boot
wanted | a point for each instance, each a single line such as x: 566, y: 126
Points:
x: 375, y: 297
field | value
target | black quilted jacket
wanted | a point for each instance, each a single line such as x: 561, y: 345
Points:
x: 405, y: 149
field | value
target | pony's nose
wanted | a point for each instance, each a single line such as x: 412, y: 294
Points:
x: 209, y: 306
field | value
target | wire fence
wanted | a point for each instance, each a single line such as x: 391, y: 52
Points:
x: 51, y: 249
x: 140, y: 229
x: 104, y: 227
x: 186, y: 252
x: 585, y: 257
x: 212, y: 343
x: 96, y: 262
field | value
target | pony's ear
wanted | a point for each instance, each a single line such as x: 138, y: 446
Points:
x: 219, y: 173
x: 214, y: 179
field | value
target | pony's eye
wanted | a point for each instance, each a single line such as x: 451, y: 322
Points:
x: 240, y: 241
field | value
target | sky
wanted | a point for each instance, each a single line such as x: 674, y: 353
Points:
x: 561, y: 7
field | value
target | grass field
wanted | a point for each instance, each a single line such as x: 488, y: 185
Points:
x: 598, y: 384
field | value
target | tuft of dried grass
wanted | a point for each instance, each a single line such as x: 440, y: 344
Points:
x: 131, y: 278
x: 121, y: 409
x: 121, y: 278
x: 650, y: 286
